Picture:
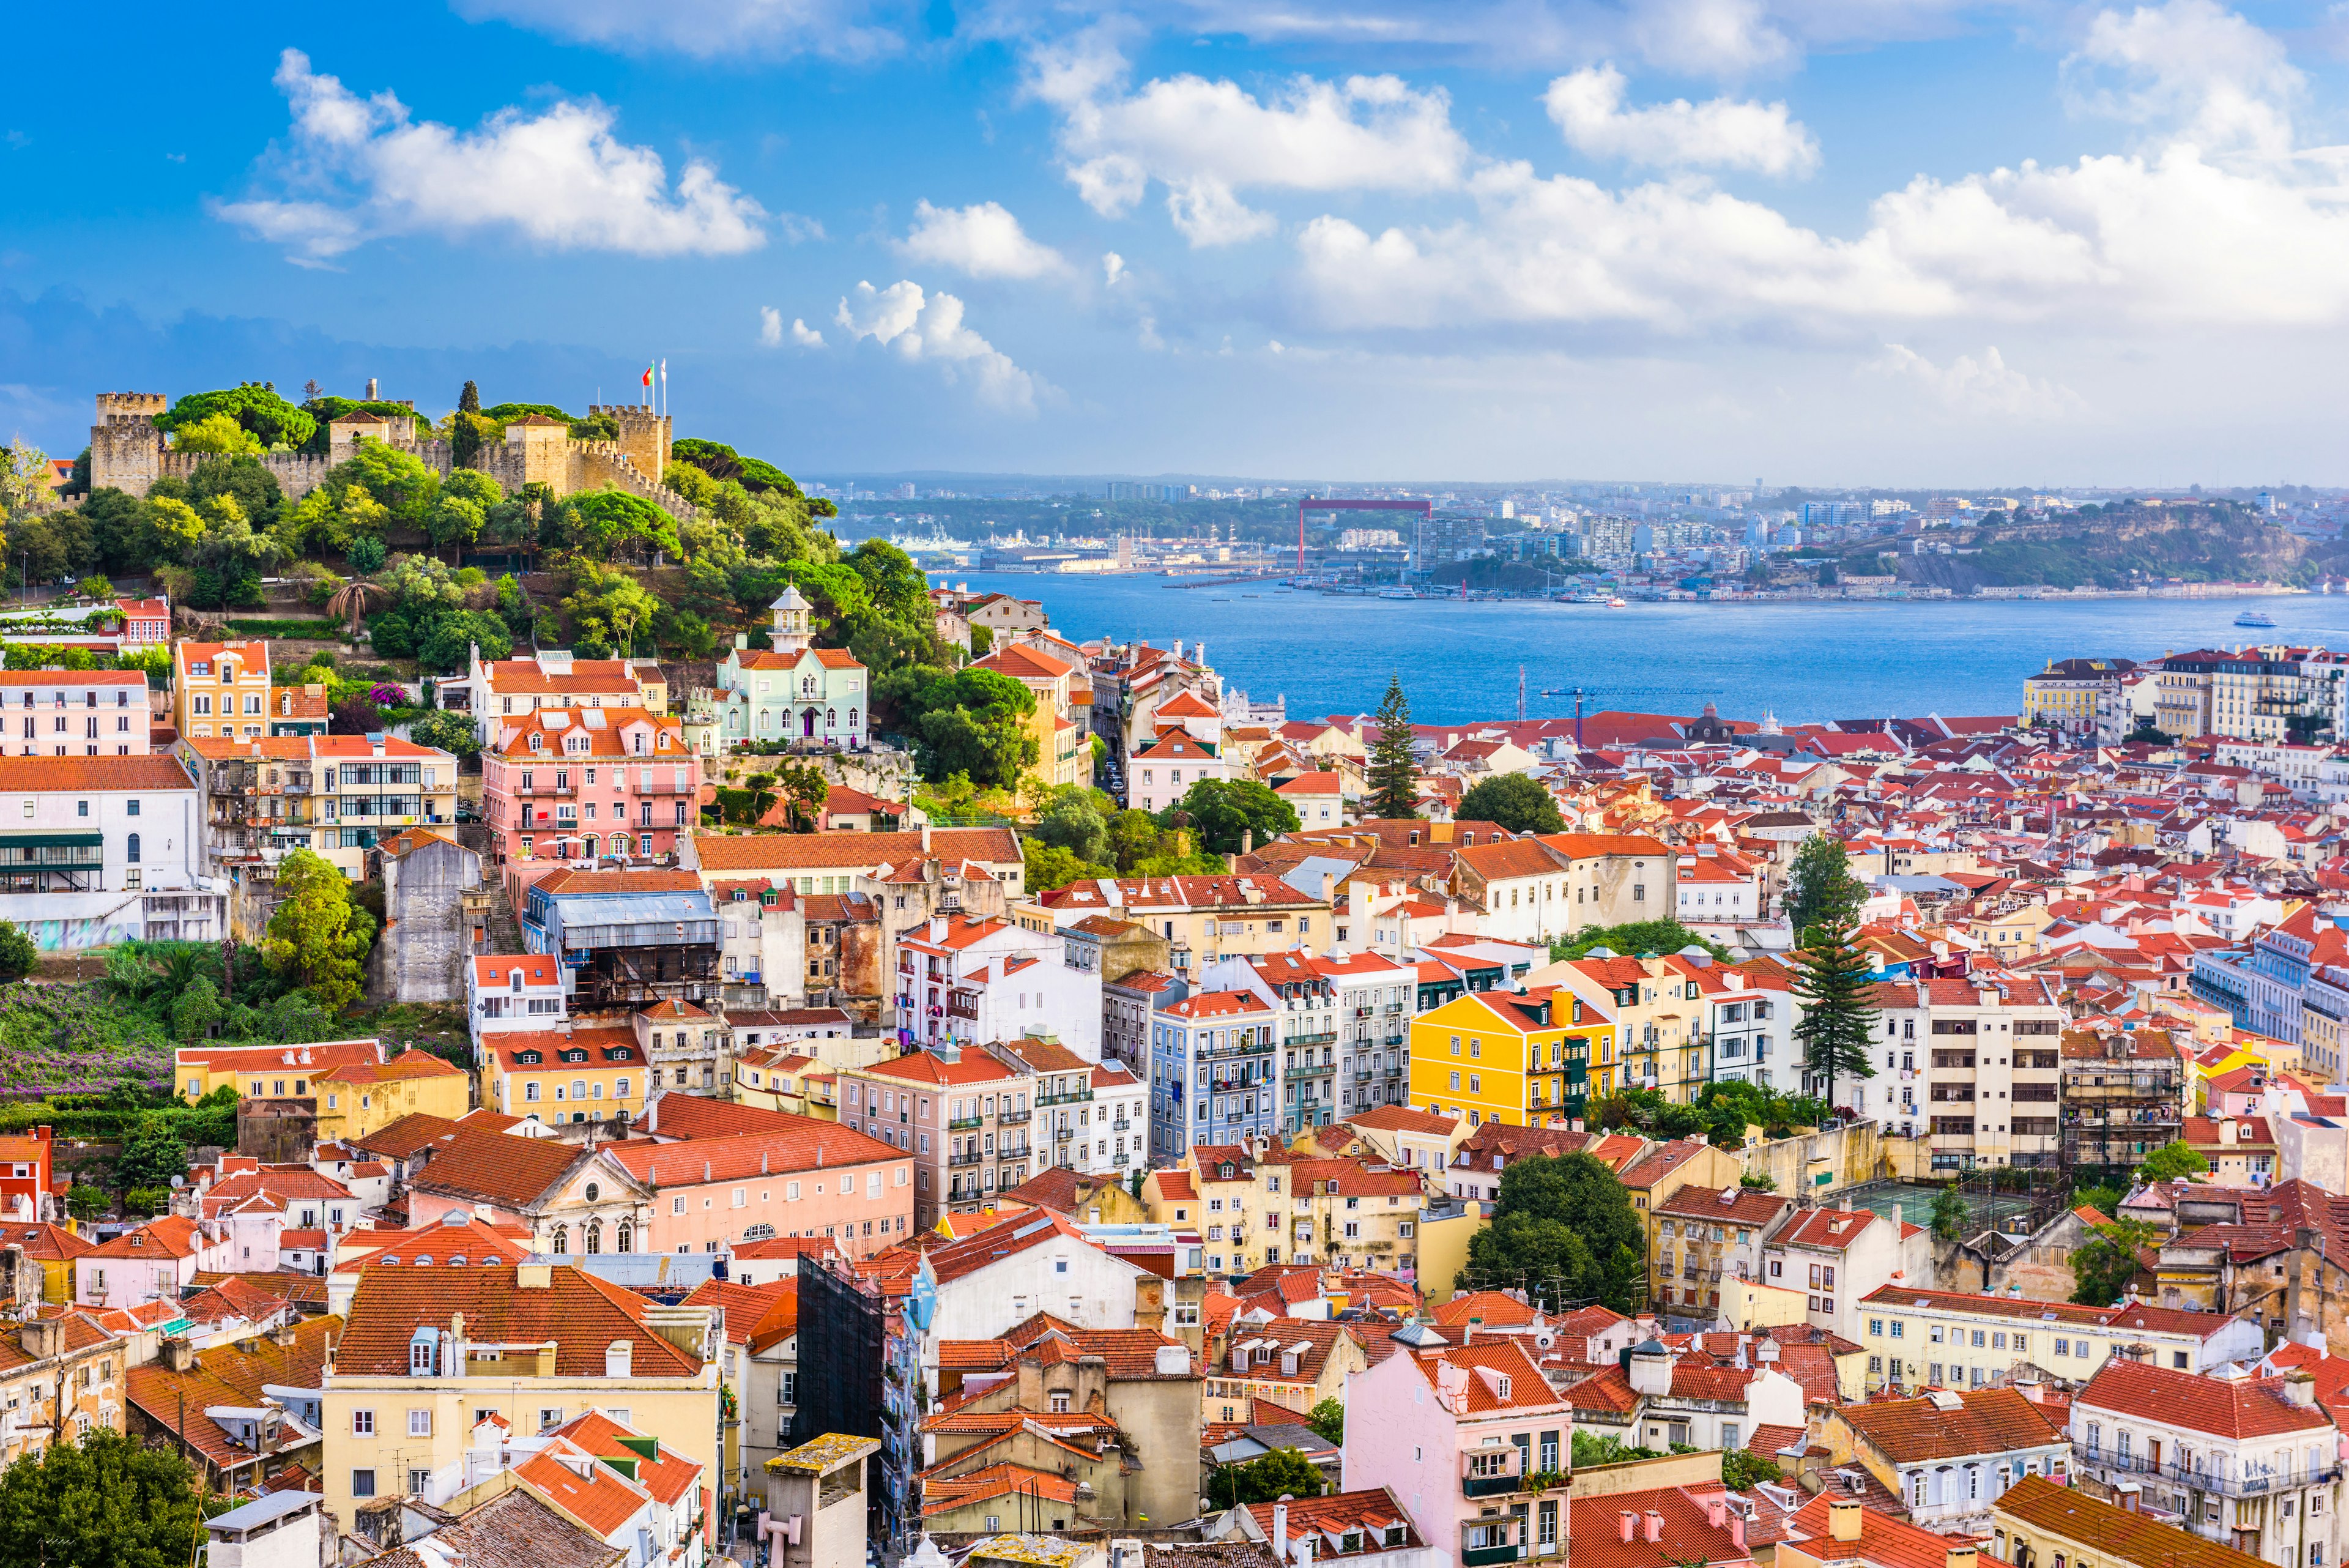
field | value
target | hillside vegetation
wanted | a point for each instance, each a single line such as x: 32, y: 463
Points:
x: 2116, y: 547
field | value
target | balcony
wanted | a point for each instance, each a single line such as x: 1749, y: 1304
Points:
x: 1071, y: 1098
x: 1478, y: 1556
x: 1326, y: 1037
x: 962, y: 1004
x: 963, y: 1124
x: 964, y: 1161
x: 1487, y: 1486
x: 2204, y: 1480
x: 1009, y: 1118
x: 527, y: 790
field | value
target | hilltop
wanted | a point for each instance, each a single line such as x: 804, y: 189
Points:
x: 2117, y: 546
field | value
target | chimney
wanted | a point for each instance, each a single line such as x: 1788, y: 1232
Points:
x: 925, y: 838
x: 1738, y: 1531
x: 1280, y: 1529
x: 179, y: 1354
x: 1714, y: 1507
x: 1843, y: 1519
x: 1630, y: 1523
x: 1896, y: 1224
x: 1655, y: 1522
x: 1962, y: 1557
x: 2299, y: 1388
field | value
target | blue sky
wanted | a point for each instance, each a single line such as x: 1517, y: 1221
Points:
x: 1905, y: 242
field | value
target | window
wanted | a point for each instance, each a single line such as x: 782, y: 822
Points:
x: 419, y: 1423
x: 362, y: 1483
x: 362, y: 1423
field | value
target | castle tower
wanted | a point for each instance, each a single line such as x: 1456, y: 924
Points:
x: 790, y: 633
x: 644, y: 436
x: 125, y: 450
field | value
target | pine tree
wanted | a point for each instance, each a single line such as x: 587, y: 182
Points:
x: 1832, y: 984
x: 1394, y: 771
x: 469, y: 402
x: 465, y: 426
x: 1820, y: 885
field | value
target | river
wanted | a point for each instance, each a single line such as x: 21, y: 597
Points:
x: 1803, y: 662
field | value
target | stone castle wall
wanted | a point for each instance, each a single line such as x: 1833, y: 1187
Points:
x: 127, y: 452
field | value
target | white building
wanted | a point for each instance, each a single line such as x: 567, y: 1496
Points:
x: 972, y: 981
x: 2251, y: 1462
x: 1377, y: 999
x: 1160, y: 772
x: 513, y: 990
x: 100, y: 850
x: 1974, y: 1062
x: 1750, y: 1014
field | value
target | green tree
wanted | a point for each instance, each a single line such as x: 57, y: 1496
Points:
x: 1820, y: 886
x: 150, y: 1156
x: 1635, y: 937
x: 461, y: 510
x: 196, y: 1008
x: 86, y: 1203
x: 1514, y: 801
x: 802, y: 789
x: 2103, y: 1265
x: 451, y: 733
x: 1563, y: 1229
x: 95, y: 587
x: 317, y: 937
x: 1950, y: 1215
x: 449, y: 639
x: 216, y: 432
x: 1328, y: 1420
x: 1394, y: 772
x: 17, y: 953
x: 1592, y: 1450
x: 2172, y: 1160
x: 174, y: 528
x: 1284, y: 1472
x: 255, y: 405
x: 25, y: 481
x: 1225, y: 812
x: 2103, y: 1197
x: 1048, y: 866
x: 1832, y: 984
x: 1073, y: 821
x: 1740, y: 1469
x: 106, y: 1502
x: 607, y: 608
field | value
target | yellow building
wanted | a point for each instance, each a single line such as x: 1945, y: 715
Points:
x: 777, y: 1078
x: 2014, y: 936
x: 266, y: 1072
x: 431, y: 1349
x: 220, y: 688
x: 1659, y: 1010
x: 2070, y: 694
x: 362, y: 1097
x: 564, y: 1074
x: 1525, y: 1058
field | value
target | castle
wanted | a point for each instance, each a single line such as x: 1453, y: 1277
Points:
x: 127, y: 452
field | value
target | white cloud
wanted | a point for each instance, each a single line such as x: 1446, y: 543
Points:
x: 1970, y: 386
x: 1726, y: 133
x: 803, y: 335
x: 708, y: 29
x: 930, y: 328
x: 2201, y: 73
x: 359, y: 169
x: 1113, y: 269
x: 1709, y: 37
x: 1206, y: 142
x: 983, y: 239
x: 2165, y: 237
x: 770, y: 327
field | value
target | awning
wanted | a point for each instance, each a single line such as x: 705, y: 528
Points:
x: 56, y: 838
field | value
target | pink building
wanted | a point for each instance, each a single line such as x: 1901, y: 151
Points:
x: 812, y: 1179
x: 1453, y: 1431
x: 153, y: 1263
x: 579, y: 784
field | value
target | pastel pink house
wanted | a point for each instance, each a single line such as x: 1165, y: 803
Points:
x: 153, y: 1263
x: 581, y: 783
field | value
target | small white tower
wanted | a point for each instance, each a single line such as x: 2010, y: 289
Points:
x: 790, y: 633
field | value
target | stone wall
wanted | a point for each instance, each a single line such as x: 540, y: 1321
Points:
x: 426, y: 942
x: 1845, y: 1156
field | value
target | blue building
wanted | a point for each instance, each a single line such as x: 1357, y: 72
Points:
x: 1214, y: 1074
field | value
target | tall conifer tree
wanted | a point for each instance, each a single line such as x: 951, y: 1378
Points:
x: 1838, y: 998
x: 1394, y: 771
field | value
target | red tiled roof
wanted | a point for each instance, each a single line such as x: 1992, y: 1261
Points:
x: 2226, y: 1407
x: 582, y: 1313
x: 1986, y: 1421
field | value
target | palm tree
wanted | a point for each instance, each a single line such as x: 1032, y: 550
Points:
x: 352, y: 600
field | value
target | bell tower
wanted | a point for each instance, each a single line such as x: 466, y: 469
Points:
x: 789, y: 632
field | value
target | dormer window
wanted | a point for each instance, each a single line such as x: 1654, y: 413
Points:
x: 515, y: 978
x: 537, y: 743
x: 1504, y: 1390
x: 574, y: 1055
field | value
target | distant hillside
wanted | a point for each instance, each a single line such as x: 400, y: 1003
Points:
x: 2121, y: 547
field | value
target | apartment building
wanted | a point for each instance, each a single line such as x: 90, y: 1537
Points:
x: 2044, y: 1519
x: 807, y: 1179
x: 1703, y: 1238
x: 1351, y: 1214
x: 1976, y: 1062
x: 1304, y: 1000
x: 73, y: 713
x: 586, y: 783
x: 220, y: 689
x: 429, y: 1350
x: 1750, y: 1011
x: 2262, y: 985
x: 1949, y: 1457
x: 1920, y: 1338
x: 1376, y: 998
x: 1215, y: 1070
x: 967, y: 979
x: 1659, y: 1008
x: 510, y: 687
x: 564, y: 1074
x: 1282, y: 1361
x: 1522, y: 1059
x: 2124, y: 1094
x: 1473, y: 1441
x: 966, y: 1116
x: 61, y: 1379
x: 335, y: 795
x: 2260, y: 693
x: 2250, y: 1463
x: 100, y: 850
x: 1063, y: 736
x: 1088, y: 1117
x: 2072, y: 695
x: 1837, y: 1257
x: 1202, y: 918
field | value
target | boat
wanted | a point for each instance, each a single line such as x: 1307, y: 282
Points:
x: 1397, y: 594
x: 1617, y: 604
x: 2253, y: 617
